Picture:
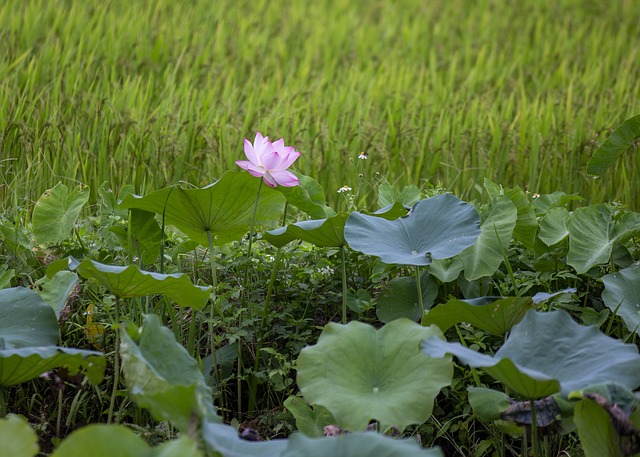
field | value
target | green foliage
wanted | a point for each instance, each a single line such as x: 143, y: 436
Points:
x: 623, y: 138
x: 622, y: 295
x: 55, y: 213
x: 18, y: 439
x: 359, y: 373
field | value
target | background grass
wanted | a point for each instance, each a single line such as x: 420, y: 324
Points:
x: 149, y: 93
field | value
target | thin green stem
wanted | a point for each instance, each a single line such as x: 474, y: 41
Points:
x: 212, y: 262
x: 344, y: 285
x: 423, y: 319
x: 534, y: 429
x: 474, y: 373
x: 59, y: 418
x: 253, y: 223
x: 253, y: 387
x: 116, y: 365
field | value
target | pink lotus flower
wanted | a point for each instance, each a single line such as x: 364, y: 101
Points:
x: 270, y: 161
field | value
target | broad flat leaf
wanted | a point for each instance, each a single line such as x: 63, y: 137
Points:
x: 597, y: 436
x: 56, y: 290
x: 622, y: 295
x: 358, y: 300
x: 26, y: 320
x: 99, y: 440
x: 436, y: 228
x: 22, y: 364
x: 485, y: 256
x: 554, y: 226
x: 6, y: 277
x: 309, y: 420
x: 400, y: 298
x: 358, y: 444
x: 359, y: 373
x: 127, y: 282
x: 621, y: 140
x: 547, y: 353
x: 224, y: 208
x: 593, y: 233
x: 497, y: 317
x: 308, y: 197
x: 446, y: 270
x: 388, y: 195
x: 17, y: 437
x: 488, y: 404
x: 55, y: 213
x: 327, y: 232
x: 224, y: 439
x: 545, y: 202
x: 526, y: 223
x: 162, y: 377
x: 146, y: 234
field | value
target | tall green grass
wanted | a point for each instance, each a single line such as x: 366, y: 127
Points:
x: 149, y: 93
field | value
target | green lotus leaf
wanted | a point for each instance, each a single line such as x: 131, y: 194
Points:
x: 308, y: 197
x: 593, y: 233
x: 127, y: 282
x: 57, y: 289
x: 26, y: 320
x: 99, y: 440
x: 554, y: 226
x: 358, y: 444
x: 400, y: 298
x: 359, y: 373
x: 162, y: 377
x: 485, y: 256
x: 497, y: 317
x: 327, y: 232
x: 309, y: 420
x: 224, y: 439
x: 388, y: 195
x: 446, y: 270
x: 597, y: 435
x: 436, y: 228
x: 55, y: 213
x: 5, y: 277
x: 547, y: 353
x: 488, y: 404
x: 146, y: 234
x: 526, y: 222
x: 17, y: 437
x: 623, y: 138
x: 622, y: 295
x: 224, y: 209
x: 543, y: 203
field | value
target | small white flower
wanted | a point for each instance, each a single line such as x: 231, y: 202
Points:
x: 536, y: 195
x: 363, y: 156
x: 344, y: 189
x: 327, y: 271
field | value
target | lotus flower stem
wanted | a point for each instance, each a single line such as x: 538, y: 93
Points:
x: 253, y: 387
x: 534, y: 429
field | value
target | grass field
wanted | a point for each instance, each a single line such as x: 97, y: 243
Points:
x: 149, y: 93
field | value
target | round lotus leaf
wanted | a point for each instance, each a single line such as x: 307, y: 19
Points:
x: 361, y: 373
x: 436, y: 228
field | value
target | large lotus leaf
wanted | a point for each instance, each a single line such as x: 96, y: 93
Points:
x: 543, y: 203
x: 22, y: 364
x: 593, y: 232
x: 127, y: 282
x: 497, y: 317
x: 597, y: 436
x: 554, y: 226
x: 621, y: 140
x: 359, y: 444
x: 308, y: 197
x: 224, y: 439
x: 486, y: 255
x: 388, y: 195
x: 55, y: 213
x: 526, y: 223
x: 549, y: 352
x: 436, y: 228
x: 26, y: 320
x: 224, y: 208
x: 400, y: 298
x: 145, y: 233
x: 57, y: 289
x: 622, y: 295
x: 327, y: 232
x: 359, y: 373
x: 309, y: 420
x: 162, y: 377
x: 488, y: 404
x: 17, y: 438
x: 99, y: 440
